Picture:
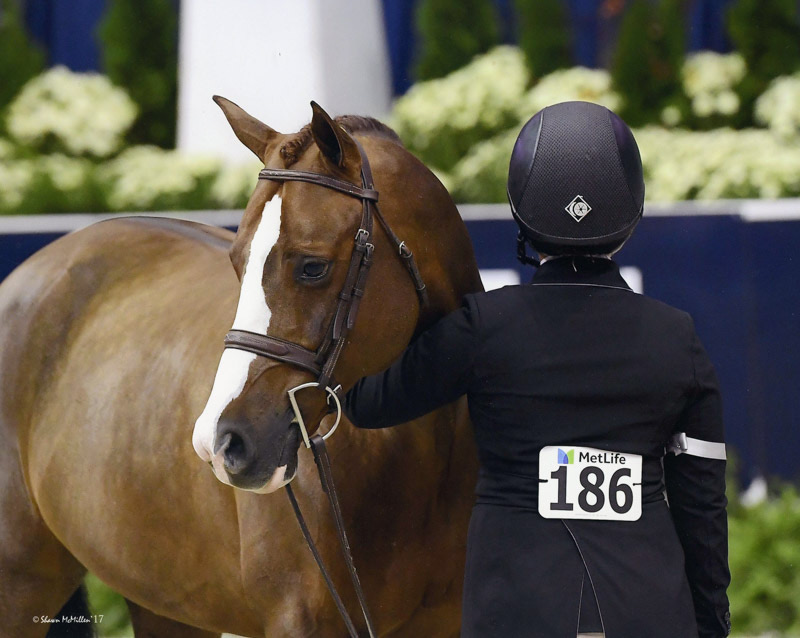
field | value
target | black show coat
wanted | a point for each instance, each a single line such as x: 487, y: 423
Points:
x: 575, y: 359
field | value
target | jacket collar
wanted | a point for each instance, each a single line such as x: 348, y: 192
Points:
x: 598, y: 271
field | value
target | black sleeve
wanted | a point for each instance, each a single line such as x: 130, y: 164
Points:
x: 433, y: 371
x: 696, y: 492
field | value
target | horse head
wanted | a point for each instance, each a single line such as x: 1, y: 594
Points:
x: 292, y: 253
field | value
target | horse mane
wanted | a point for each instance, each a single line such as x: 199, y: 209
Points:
x: 297, y: 145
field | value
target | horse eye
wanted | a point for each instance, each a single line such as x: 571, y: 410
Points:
x: 314, y: 269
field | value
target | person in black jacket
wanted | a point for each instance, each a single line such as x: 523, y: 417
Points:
x: 600, y: 504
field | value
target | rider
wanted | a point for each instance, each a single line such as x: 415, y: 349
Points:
x: 600, y: 505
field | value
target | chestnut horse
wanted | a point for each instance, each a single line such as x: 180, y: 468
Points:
x: 110, y: 339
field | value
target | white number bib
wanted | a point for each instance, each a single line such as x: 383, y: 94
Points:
x: 583, y: 482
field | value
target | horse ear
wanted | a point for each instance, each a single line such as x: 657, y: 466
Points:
x: 251, y: 132
x: 335, y: 143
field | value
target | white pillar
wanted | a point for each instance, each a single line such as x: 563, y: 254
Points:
x: 272, y: 57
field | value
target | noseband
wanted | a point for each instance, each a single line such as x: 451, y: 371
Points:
x: 322, y: 362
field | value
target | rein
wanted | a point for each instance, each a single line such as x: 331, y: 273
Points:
x: 322, y: 362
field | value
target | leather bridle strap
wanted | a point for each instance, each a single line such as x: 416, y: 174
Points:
x: 322, y: 362
x: 351, y: 628
x: 323, y: 462
x: 286, y: 175
x: 274, y: 348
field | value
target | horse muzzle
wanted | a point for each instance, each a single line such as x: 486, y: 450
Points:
x: 242, y: 460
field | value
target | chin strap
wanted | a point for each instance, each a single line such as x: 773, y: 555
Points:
x: 522, y: 251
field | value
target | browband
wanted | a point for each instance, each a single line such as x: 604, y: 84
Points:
x: 288, y: 175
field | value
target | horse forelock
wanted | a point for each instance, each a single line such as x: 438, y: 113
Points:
x: 293, y: 149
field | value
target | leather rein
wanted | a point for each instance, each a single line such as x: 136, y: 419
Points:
x: 322, y: 361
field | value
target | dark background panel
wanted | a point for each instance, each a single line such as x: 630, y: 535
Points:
x: 16, y: 248
x: 773, y: 272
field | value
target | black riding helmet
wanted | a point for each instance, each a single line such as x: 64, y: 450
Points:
x: 575, y: 181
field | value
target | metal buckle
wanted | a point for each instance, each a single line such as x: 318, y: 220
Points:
x: 362, y: 232
x: 401, y: 247
x: 298, y: 417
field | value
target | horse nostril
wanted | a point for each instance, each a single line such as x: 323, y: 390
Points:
x: 234, y: 451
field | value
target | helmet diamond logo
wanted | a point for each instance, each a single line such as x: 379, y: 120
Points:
x: 578, y: 208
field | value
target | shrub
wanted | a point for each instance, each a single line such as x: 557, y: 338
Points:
x: 46, y: 184
x: 577, y: 83
x: 16, y: 180
x: 709, y: 82
x: 104, y: 600
x: 440, y: 120
x: 648, y: 59
x: 678, y: 165
x: 150, y: 178
x: 140, y: 52
x: 717, y: 164
x: 779, y: 107
x: 141, y: 178
x: 20, y: 60
x: 767, y: 34
x: 544, y: 35
x: 234, y: 184
x: 482, y: 175
x: 451, y: 33
x: 764, y: 555
x: 75, y: 113
x: 63, y: 184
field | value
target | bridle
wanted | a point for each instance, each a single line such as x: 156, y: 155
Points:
x: 322, y: 361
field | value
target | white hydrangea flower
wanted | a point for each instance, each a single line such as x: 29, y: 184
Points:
x: 481, y: 176
x: 16, y: 178
x: 235, y: 183
x: 727, y: 103
x: 678, y: 165
x: 143, y: 177
x: 711, y: 72
x: 703, y: 104
x: 565, y: 85
x: 66, y: 173
x: 779, y: 107
x: 721, y: 163
x: 671, y: 116
x: 6, y: 149
x: 480, y: 96
x: 708, y: 80
x: 83, y: 112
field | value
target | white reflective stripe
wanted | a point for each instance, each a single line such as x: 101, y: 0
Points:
x: 682, y: 444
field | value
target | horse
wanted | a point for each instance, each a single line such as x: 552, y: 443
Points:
x: 110, y: 340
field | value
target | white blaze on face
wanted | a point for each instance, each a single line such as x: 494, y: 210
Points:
x: 252, y: 314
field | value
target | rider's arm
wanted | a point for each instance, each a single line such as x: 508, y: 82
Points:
x: 695, y: 481
x: 434, y: 370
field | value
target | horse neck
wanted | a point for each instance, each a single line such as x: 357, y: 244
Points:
x: 426, y: 217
